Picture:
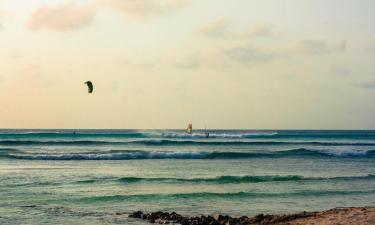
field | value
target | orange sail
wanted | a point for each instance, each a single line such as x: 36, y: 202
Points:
x: 189, y: 129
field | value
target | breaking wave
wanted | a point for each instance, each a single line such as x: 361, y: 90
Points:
x: 219, y: 135
x: 240, y: 179
x: 134, y: 155
x: 215, y: 195
x: 164, y: 142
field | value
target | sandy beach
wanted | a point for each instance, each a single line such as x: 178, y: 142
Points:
x: 342, y: 216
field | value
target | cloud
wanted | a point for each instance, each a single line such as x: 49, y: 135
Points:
x: 2, y: 15
x: 149, y: 63
x: 29, y: 74
x: 15, y: 55
x: 145, y: 8
x: 216, y: 29
x: 318, y: 47
x: 248, y: 55
x: 371, y: 49
x: 371, y: 46
x: 192, y: 61
x: 63, y: 17
x: 221, y: 29
x: 340, y: 46
x: 369, y: 84
x: 260, y: 30
x: 69, y: 16
x: 248, y: 46
x: 339, y: 71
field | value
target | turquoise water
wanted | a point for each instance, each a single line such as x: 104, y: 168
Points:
x: 99, y: 176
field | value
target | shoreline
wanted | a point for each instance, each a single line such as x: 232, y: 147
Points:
x: 343, y: 216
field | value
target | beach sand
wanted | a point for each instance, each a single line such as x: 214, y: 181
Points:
x: 342, y: 216
x: 336, y: 216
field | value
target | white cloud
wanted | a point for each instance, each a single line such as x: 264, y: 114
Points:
x: 69, y: 16
x: 61, y: 18
x: 192, y: 61
x: 371, y: 46
x: 260, y: 30
x: 340, y: 71
x: 145, y: 8
x: 221, y: 28
x: 369, y: 84
x: 318, y: 47
x: 2, y: 15
x: 216, y: 29
x: 149, y: 63
x: 247, y: 54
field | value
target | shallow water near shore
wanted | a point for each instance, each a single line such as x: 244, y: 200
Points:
x: 98, y: 176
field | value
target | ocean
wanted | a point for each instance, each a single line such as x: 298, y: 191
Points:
x: 100, y: 176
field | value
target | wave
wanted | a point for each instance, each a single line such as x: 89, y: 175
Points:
x: 114, y: 156
x: 143, y: 134
x: 133, y: 155
x: 218, y: 180
x: 207, y: 180
x: 316, y: 143
x: 240, y: 179
x: 219, y: 135
x: 51, y: 143
x: 6, y: 152
x: 30, y: 184
x: 72, y: 135
x: 164, y: 142
x: 273, y: 134
x: 180, y: 134
x: 230, y: 195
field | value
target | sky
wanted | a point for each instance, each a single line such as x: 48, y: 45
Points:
x: 159, y: 64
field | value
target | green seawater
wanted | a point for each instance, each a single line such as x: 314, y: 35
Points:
x: 99, y: 177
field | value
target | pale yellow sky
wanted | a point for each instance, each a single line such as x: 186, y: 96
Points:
x: 245, y: 64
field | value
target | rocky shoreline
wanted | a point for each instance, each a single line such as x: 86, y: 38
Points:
x: 342, y: 216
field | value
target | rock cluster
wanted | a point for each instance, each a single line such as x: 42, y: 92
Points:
x: 174, y: 218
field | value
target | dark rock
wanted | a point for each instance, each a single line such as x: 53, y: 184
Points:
x: 175, y: 218
x: 258, y: 218
x: 137, y: 214
x: 28, y: 206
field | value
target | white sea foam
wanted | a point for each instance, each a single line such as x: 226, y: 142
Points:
x: 115, y: 156
x: 341, y: 152
x: 301, y: 152
x: 217, y: 135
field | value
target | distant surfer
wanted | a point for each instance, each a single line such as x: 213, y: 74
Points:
x: 206, y: 133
